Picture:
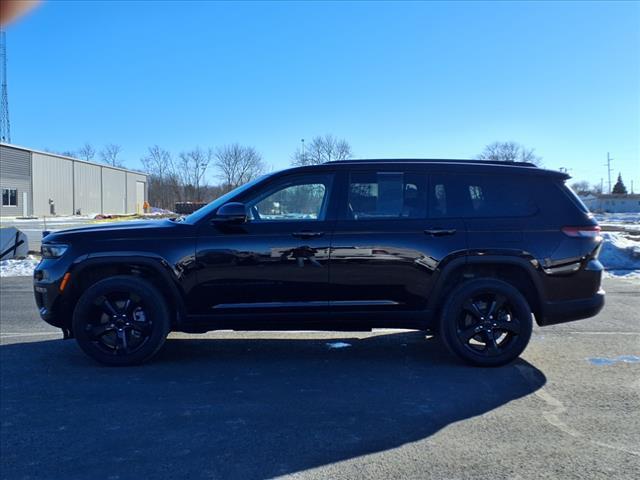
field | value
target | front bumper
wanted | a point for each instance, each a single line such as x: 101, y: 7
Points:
x: 50, y: 308
x: 51, y: 302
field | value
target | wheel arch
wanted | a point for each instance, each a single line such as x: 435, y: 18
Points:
x: 153, y: 269
x: 522, y: 272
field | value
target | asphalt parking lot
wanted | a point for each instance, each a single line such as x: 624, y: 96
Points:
x: 263, y: 405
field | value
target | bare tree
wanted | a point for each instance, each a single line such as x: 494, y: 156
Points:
x: 191, y: 169
x: 164, y: 183
x: 322, y: 149
x: 64, y: 153
x: 157, y: 161
x: 581, y: 188
x: 509, y: 152
x: 109, y: 154
x: 238, y: 165
x: 87, y: 152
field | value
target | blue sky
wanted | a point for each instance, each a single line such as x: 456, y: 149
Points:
x: 394, y: 79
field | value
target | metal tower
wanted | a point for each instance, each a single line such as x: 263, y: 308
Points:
x: 5, y: 125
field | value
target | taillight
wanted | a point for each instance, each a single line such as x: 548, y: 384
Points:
x: 590, y: 231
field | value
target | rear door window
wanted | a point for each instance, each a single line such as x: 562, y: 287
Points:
x: 387, y: 195
x: 474, y: 196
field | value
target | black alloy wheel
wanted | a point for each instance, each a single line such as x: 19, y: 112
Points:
x: 486, y: 322
x: 118, y: 323
x: 121, y: 320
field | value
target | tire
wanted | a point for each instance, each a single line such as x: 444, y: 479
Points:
x: 121, y: 320
x: 486, y: 322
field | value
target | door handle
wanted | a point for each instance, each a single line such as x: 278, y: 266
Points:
x: 440, y: 232
x: 307, y: 234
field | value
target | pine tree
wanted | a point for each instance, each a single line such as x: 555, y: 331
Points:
x: 619, y: 186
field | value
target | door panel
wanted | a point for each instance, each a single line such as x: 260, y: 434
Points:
x: 388, y: 265
x: 384, y: 250
x: 278, y: 260
x: 260, y: 267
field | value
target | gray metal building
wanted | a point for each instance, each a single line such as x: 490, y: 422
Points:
x: 35, y: 183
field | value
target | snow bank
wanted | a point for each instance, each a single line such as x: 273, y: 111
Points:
x: 620, y: 254
x: 619, y: 221
x: 18, y: 268
x: 51, y: 220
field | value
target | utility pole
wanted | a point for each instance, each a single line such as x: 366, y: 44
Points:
x: 304, y: 158
x: 5, y: 124
x: 609, y: 160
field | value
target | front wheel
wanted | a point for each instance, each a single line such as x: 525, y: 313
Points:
x: 121, y: 320
x: 486, y: 322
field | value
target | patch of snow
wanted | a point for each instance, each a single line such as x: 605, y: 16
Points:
x: 18, y: 268
x: 60, y: 219
x: 620, y: 254
x: 160, y: 211
x: 626, y: 217
x: 619, y: 221
x: 338, y: 345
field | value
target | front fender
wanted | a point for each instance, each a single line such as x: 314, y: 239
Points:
x: 167, y: 275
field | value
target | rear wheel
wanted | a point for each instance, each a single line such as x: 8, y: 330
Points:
x: 486, y: 322
x: 121, y: 320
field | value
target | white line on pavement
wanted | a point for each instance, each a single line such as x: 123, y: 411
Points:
x: 25, y: 334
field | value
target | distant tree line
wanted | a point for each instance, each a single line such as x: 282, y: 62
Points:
x: 184, y: 177
x: 586, y: 188
x: 509, y: 152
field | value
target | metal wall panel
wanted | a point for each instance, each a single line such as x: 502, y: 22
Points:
x: 114, y: 191
x: 88, y: 188
x: 72, y: 184
x: 15, y: 173
x: 52, y: 179
x: 132, y: 202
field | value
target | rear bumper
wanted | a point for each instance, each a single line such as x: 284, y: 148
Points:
x: 568, y: 311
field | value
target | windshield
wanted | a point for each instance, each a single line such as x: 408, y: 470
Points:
x: 218, y: 202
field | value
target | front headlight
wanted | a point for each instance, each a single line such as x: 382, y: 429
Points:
x: 50, y: 250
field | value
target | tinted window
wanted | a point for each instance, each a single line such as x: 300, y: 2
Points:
x: 383, y: 195
x: 481, y: 196
x: 218, y: 202
x: 303, y: 198
x: 576, y: 199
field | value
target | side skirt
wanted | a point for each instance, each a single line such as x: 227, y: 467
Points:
x: 362, y: 321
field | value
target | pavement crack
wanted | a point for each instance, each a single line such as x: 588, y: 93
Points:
x: 557, y: 408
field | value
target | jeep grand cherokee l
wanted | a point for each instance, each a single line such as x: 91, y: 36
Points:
x: 468, y: 249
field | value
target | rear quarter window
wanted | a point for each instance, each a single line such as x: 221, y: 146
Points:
x: 476, y: 196
x: 574, y: 197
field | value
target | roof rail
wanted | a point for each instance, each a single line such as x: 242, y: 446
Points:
x: 435, y: 160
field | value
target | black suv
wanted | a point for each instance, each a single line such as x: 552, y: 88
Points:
x: 467, y: 249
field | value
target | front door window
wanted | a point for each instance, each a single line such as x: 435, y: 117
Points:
x: 300, y: 199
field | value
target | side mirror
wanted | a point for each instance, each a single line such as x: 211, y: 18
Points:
x: 232, y: 212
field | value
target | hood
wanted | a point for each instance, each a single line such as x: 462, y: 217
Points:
x: 127, y: 229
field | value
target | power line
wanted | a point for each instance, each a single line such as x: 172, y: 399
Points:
x: 609, y: 160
